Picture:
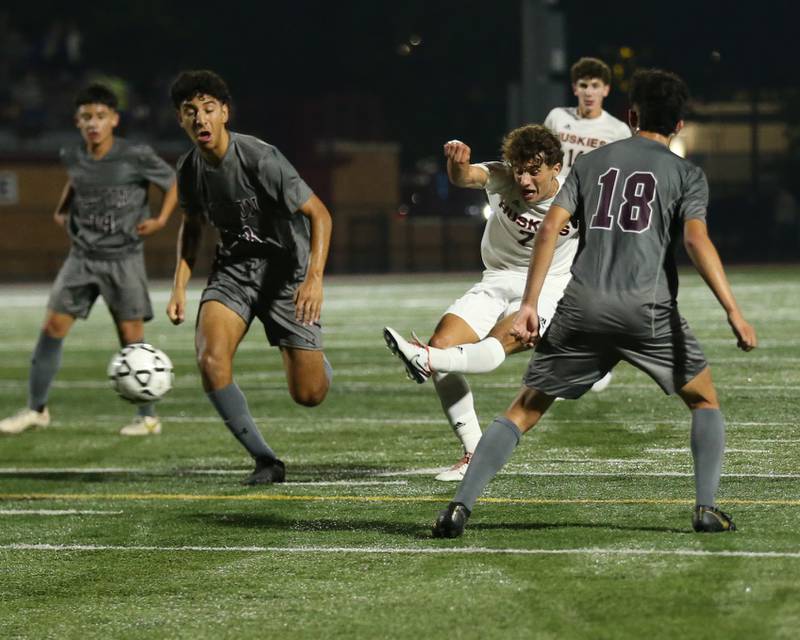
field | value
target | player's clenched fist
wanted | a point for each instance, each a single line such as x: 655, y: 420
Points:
x: 456, y: 151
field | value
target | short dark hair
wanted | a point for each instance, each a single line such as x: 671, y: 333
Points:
x: 96, y: 93
x: 660, y: 98
x: 198, y: 82
x: 590, y: 68
x: 531, y: 143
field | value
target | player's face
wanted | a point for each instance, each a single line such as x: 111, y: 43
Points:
x: 96, y: 123
x: 537, y: 180
x: 203, y: 118
x: 590, y: 93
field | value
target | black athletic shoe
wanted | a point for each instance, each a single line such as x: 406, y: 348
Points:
x: 267, y: 471
x: 711, y: 520
x: 450, y: 522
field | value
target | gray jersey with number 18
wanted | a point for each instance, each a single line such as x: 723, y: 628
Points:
x: 630, y: 200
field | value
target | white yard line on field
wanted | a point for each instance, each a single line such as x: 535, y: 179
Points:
x: 57, y: 512
x: 590, y: 551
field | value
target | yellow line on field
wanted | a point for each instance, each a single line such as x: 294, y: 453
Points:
x: 267, y: 497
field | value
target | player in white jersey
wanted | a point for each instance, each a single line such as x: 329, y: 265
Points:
x: 586, y: 127
x: 473, y: 335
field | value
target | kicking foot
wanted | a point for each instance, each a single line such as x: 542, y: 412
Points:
x: 142, y: 426
x: 711, y: 520
x: 414, y: 355
x: 451, y: 521
x: 602, y: 383
x: 267, y: 471
x: 457, y: 471
x: 24, y: 420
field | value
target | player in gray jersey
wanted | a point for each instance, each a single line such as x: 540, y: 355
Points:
x: 274, y: 239
x: 105, y: 211
x: 632, y: 201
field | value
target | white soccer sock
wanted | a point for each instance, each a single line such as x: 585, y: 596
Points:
x: 480, y: 357
x: 457, y: 402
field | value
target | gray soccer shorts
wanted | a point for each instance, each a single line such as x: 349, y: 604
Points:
x: 122, y: 283
x: 567, y: 362
x: 253, y: 288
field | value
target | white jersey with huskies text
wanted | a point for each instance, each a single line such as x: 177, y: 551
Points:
x: 580, y: 135
x: 508, y: 237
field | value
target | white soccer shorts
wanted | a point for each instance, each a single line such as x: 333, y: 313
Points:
x: 499, y: 294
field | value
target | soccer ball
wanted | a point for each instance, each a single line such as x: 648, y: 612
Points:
x: 140, y: 373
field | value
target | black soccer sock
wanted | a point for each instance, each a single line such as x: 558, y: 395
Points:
x: 493, y: 451
x: 708, y: 449
x: 146, y: 410
x: 231, y: 405
x: 45, y: 362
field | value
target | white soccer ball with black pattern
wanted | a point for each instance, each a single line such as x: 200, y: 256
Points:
x: 140, y: 373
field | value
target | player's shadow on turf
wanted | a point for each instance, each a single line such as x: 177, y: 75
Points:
x: 543, y: 526
x: 271, y: 521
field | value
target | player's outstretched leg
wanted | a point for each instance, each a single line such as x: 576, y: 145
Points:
x: 45, y: 363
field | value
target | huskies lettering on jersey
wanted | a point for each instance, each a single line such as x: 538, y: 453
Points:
x: 582, y: 140
x: 526, y: 223
x: 94, y: 201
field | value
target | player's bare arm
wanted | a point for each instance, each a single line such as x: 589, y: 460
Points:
x: 168, y: 204
x: 459, y: 169
x: 308, y: 297
x: 64, y: 202
x: 526, y: 326
x: 706, y: 260
x: 189, y: 237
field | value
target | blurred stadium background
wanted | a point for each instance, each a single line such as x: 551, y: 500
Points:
x: 361, y: 95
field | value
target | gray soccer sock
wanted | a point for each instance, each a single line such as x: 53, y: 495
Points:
x: 45, y: 362
x: 231, y: 405
x: 708, y: 449
x: 146, y: 410
x: 494, y: 449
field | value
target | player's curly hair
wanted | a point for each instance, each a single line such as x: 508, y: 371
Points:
x: 590, y: 68
x: 198, y: 82
x: 660, y: 98
x: 532, y: 143
x: 97, y: 93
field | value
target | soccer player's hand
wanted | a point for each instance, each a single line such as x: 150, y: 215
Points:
x: 149, y: 227
x: 745, y: 334
x: 176, y: 308
x: 526, y: 326
x: 60, y: 218
x: 457, y: 152
x: 308, y: 300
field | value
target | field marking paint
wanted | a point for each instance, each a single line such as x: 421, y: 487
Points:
x: 57, y: 512
x: 592, y: 551
x: 32, y: 471
x: 277, y: 497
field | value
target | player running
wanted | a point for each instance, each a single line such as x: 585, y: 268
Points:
x: 632, y: 200
x: 274, y: 239
x: 105, y: 211
x: 473, y: 335
x: 586, y: 127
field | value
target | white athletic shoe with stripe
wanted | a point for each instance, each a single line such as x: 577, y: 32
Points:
x: 142, y: 426
x: 457, y: 471
x: 414, y: 355
x: 24, y: 420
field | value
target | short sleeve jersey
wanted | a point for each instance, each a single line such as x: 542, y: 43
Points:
x: 630, y: 200
x: 582, y: 135
x: 110, y: 196
x: 252, y: 198
x: 508, y: 237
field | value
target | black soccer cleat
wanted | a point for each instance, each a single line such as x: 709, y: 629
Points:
x: 711, y: 520
x: 450, y: 522
x: 267, y: 471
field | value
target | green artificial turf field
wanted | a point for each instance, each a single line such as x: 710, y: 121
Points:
x: 586, y: 533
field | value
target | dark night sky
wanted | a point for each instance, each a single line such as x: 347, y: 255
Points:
x: 453, y: 85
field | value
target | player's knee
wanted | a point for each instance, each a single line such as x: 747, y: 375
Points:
x: 214, y: 367
x: 440, y: 341
x: 56, y: 327
x: 307, y: 395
